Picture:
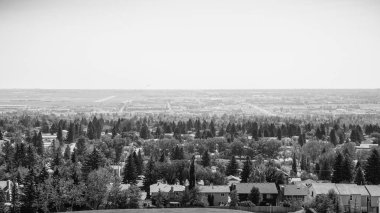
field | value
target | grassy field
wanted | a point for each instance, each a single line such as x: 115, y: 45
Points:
x: 168, y: 210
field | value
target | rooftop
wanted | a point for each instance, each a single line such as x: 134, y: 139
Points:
x: 374, y: 190
x: 351, y: 189
x: 165, y: 188
x: 264, y: 188
x: 324, y: 188
x: 294, y: 190
x: 214, y: 189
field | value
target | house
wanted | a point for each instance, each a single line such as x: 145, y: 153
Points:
x: 232, y: 180
x: 48, y: 139
x: 116, y: 170
x: 215, y: 195
x: 268, y: 192
x: 173, y: 192
x: 295, y: 192
x: 321, y: 188
x: 353, y: 197
x: 374, y: 200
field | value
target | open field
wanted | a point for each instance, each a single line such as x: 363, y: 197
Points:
x: 194, y: 102
x: 167, y: 210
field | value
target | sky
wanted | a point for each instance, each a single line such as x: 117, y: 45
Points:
x: 192, y: 44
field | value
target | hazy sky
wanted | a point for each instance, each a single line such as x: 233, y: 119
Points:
x: 193, y: 44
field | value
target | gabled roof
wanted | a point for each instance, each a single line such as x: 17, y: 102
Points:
x: 324, y: 188
x: 264, y: 188
x: 214, y: 189
x: 233, y: 178
x: 374, y: 190
x: 294, y: 190
x: 166, y: 188
x: 351, y: 189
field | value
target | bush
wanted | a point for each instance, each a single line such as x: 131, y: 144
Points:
x: 246, y: 204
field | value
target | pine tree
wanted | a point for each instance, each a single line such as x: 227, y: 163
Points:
x: 74, y: 157
x: 44, y: 175
x: 338, y: 170
x: 59, y: 134
x: 232, y: 167
x: 151, y: 176
x: 144, y: 132
x: 130, y: 171
x: 333, y: 137
x: 141, y: 162
x: 347, y: 170
x: 30, y: 192
x: 294, y: 164
x: 90, y: 131
x: 81, y: 148
x: 137, y: 164
x: 71, y: 133
x: 57, y: 161
x: 31, y: 156
x: 372, y: 169
x: 192, y: 174
x: 40, y: 145
x: 206, y: 159
x: 279, y: 134
x: 303, y: 162
x: 67, y: 153
x: 245, y: 173
x: 93, y: 161
x: 325, y: 172
x: 359, y: 177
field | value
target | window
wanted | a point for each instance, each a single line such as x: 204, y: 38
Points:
x: 222, y: 195
x: 350, y: 197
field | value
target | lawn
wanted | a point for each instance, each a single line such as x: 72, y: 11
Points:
x: 167, y: 210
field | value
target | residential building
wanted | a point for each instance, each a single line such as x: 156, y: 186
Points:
x: 215, y: 195
x: 174, y: 192
x: 295, y: 192
x: 233, y: 180
x: 268, y: 192
x: 374, y: 193
x: 6, y: 187
x: 321, y: 188
x: 353, y: 197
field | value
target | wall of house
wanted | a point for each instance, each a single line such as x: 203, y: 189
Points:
x: 218, y: 198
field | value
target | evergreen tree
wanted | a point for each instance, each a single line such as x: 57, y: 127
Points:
x: 74, y: 157
x: 93, y: 161
x: 31, y: 156
x: 141, y: 162
x: 151, y: 175
x: 333, y: 137
x: 294, y: 164
x: 137, y: 162
x: 192, y: 174
x: 71, y: 133
x: 59, y: 134
x: 67, y: 153
x: 30, y: 192
x: 130, y: 171
x: 303, y: 162
x: 372, y: 169
x: 44, y: 175
x: 279, y: 134
x: 232, y: 167
x: 40, y: 145
x: 325, y: 172
x: 254, y: 196
x: 144, y: 132
x: 81, y: 148
x: 338, y: 170
x: 206, y: 159
x: 90, y: 131
x: 359, y: 177
x: 347, y: 169
x: 245, y: 173
x: 57, y: 161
